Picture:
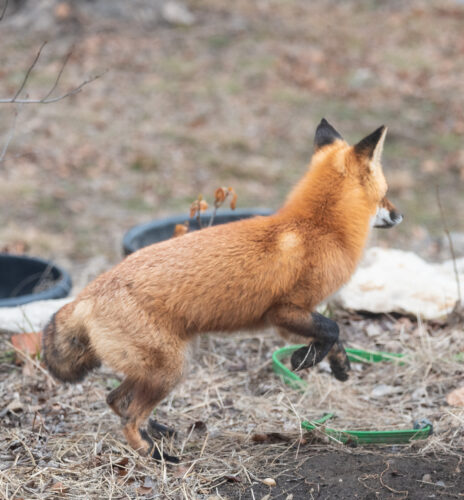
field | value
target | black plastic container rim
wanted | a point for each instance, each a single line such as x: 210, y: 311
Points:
x: 59, y: 290
x: 135, y: 232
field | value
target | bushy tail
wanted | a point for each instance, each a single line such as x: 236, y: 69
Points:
x: 66, y: 347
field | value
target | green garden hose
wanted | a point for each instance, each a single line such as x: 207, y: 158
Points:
x: 421, y: 429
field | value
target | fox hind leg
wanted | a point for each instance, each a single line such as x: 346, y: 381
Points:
x: 133, y: 401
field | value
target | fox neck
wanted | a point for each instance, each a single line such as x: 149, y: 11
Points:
x: 330, y: 205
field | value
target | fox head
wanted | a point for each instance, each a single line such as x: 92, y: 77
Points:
x: 360, y: 167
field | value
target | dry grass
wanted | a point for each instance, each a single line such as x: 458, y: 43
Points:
x: 63, y: 441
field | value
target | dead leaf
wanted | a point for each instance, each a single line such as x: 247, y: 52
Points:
x: 63, y: 11
x: 27, y: 343
x: 203, y: 205
x: 147, y: 487
x: 233, y: 201
x: 142, y: 490
x: 219, y: 196
x: 199, y: 426
x: 232, y: 479
x: 120, y: 467
x: 180, y: 229
x: 59, y: 487
x: 269, y: 437
x: 15, y: 406
x: 456, y: 397
x: 17, y: 247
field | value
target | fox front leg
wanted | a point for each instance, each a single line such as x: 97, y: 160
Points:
x: 294, y: 322
x: 333, y: 348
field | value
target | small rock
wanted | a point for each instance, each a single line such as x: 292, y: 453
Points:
x: 177, y: 13
x: 269, y: 481
x: 440, y: 483
x: 427, y: 478
x: 383, y: 390
x: 419, y: 393
x: 373, y: 330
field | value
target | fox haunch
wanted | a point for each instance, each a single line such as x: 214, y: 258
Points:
x: 140, y: 316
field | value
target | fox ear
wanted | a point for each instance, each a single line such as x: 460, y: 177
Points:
x: 325, y: 134
x: 372, y: 145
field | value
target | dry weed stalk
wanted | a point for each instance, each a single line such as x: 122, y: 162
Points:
x: 221, y: 194
x: 451, y: 246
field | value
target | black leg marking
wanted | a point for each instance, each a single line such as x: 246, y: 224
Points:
x: 155, y: 452
x: 339, y: 362
x: 309, y: 356
x: 159, y: 430
x: 326, y: 332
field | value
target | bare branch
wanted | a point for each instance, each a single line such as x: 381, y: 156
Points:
x: 44, y: 100
x: 65, y: 61
x: 47, y: 99
x: 28, y: 72
x: 74, y: 91
x: 450, y: 242
x: 10, y: 134
x: 2, y: 15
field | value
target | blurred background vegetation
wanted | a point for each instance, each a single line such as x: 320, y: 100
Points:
x: 207, y: 93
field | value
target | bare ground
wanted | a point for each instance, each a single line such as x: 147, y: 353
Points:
x: 233, y: 100
x: 238, y: 425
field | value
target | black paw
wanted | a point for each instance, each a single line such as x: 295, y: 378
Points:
x: 159, y: 430
x: 154, y: 450
x: 340, y: 373
x: 307, y: 356
x: 168, y: 458
x: 340, y: 364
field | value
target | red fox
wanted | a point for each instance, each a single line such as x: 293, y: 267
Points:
x: 140, y: 316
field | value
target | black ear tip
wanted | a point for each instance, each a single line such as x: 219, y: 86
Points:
x: 325, y: 134
x: 369, y: 143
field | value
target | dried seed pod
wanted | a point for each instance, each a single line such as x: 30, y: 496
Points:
x: 203, y: 206
x: 219, y: 195
x: 233, y: 201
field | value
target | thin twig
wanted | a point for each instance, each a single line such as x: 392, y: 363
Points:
x: 74, y: 91
x: 33, y: 361
x: 382, y: 482
x: 450, y: 242
x: 47, y: 99
x: 65, y: 61
x: 10, y: 134
x: 28, y: 72
x: 2, y: 15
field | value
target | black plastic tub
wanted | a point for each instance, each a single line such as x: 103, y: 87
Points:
x: 163, y: 229
x: 26, y: 279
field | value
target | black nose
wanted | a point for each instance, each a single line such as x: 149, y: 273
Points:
x: 395, y: 216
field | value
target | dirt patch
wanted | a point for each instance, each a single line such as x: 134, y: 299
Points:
x: 238, y: 424
x: 368, y: 475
